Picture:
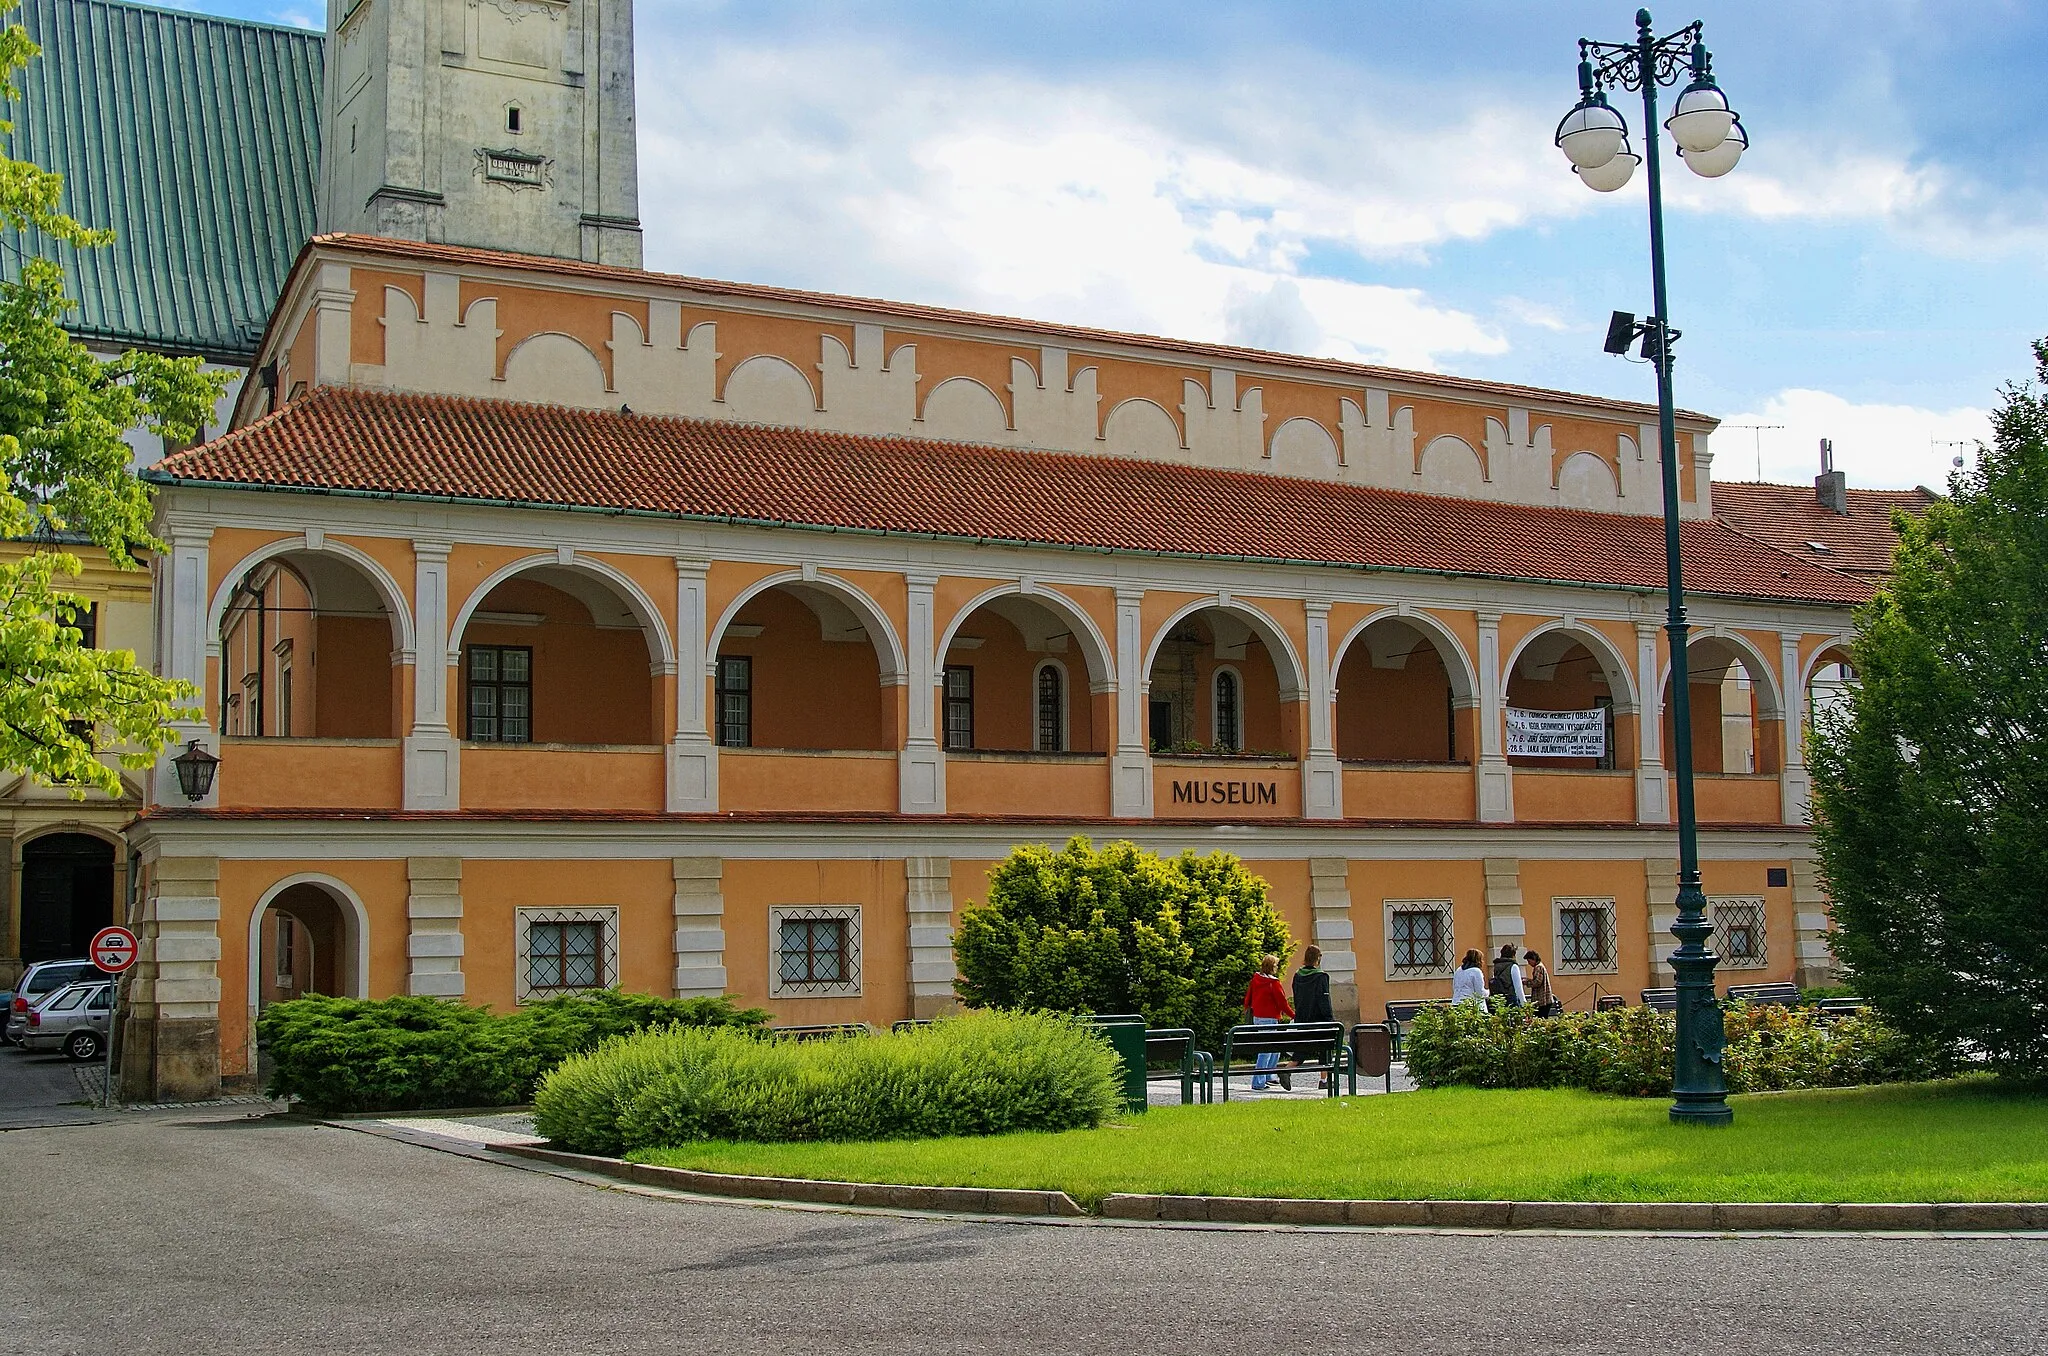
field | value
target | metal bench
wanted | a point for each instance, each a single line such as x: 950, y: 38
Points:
x: 1400, y: 1012
x: 1315, y: 1047
x: 1834, y: 1009
x: 1664, y: 1000
x: 1170, y: 1054
x: 1785, y: 995
x: 1372, y: 1054
x: 909, y: 1024
x: 825, y: 1032
x: 1608, y: 1002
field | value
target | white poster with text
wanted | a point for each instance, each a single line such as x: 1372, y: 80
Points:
x: 1557, y: 734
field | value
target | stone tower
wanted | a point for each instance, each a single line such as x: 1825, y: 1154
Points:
x: 502, y: 124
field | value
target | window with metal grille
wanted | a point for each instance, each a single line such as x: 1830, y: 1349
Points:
x: 1585, y: 936
x: 1052, y: 709
x: 817, y: 951
x: 959, y: 706
x: 735, y: 696
x: 500, y: 694
x: 567, y: 950
x: 1739, y: 937
x: 1229, y: 726
x: 1418, y: 938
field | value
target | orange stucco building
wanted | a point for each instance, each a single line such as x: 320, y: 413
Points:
x: 562, y: 624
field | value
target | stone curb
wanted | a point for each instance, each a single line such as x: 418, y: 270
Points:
x: 1703, y: 1216
x: 961, y: 1200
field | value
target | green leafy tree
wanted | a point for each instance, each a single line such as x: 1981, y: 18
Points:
x: 1118, y: 930
x: 1931, y: 785
x: 65, y: 481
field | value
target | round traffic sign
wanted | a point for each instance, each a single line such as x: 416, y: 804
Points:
x: 113, y: 949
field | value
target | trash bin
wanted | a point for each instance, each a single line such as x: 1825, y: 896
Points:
x: 1127, y: 1038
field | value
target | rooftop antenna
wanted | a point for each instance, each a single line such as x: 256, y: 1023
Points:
x: 1955, y: 460
x: 1758, y: 430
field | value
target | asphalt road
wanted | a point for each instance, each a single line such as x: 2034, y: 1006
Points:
x: 191, y: 1234
x: 39, y: 1089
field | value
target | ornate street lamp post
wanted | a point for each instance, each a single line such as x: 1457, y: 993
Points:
x: 1710, y: 140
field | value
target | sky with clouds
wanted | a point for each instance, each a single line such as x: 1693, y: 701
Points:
x: 1376, y: 181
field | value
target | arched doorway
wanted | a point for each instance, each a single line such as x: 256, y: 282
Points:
x: 305, y: 943
x: 67, y: 894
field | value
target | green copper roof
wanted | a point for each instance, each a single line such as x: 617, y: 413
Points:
x: 198, y: 141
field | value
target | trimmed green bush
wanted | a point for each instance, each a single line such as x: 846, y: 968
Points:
x: 985, y: 1073
x: 406, y: 1053
x: 1629, y: 1051
x: 1119, y: 930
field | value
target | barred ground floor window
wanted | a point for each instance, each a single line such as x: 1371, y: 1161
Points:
x: 1739, y: 938
x: 1418, y: 934
x: 1584, y: 933
x: 816, y: 951
x: 566, y: 951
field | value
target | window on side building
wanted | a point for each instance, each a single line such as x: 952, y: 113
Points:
x: 959, y: 706
x: 1585, y: 936
x: 566, y: 951
x: 1418, y: 936
x: 1739, y: 933
x: 817, y: 951
x: 735, y: 695
x: 500, y: 705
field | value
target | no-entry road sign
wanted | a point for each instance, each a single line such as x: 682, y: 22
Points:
x: 113, y: 949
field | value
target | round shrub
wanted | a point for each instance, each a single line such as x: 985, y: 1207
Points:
x: 983, y: 1073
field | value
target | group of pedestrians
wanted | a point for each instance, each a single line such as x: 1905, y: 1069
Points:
x: 1265, y: 1001
x: 1508, y: 987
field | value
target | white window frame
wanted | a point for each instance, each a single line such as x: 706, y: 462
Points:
x: 1066, y: 705
x: 608, y: 954
x: 1440, y: 907
x: 1762, y: 959
x: 1216, y: 707
x: 850, y: 986
x: 1604, y: 903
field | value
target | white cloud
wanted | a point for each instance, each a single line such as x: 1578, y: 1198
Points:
x: 1879, y: 446
x: 856, y: 171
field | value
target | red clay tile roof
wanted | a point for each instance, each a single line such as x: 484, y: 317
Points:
x: 1790, y: 516
x: 1173, y: 349
x: 543, y: 456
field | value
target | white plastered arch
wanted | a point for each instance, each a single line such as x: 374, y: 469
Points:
x: 1757, y: 666
x: 402, y: 637
x: 1620, y: 682
x: 1095, y: 648
x: 353, y: 972
x: 659, y: 642
x: 889, y: 654
x: 1292, y: 674
x: 1811, y: 665
x: 1463, y: 674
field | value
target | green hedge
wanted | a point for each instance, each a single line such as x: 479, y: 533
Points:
x: 984, y: 1073
x: 405, y: 1054
x: 1629, y: 1050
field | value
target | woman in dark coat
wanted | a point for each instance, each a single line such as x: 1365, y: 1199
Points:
x: 1312, y: 992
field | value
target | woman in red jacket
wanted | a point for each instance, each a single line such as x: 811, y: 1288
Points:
x: 1267, y: 1003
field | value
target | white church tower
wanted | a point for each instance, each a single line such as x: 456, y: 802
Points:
x: 501, y: 124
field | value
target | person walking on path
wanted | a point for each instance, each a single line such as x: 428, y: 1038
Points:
x: 1540, y: 997
x: 1468, y: 984
x: 1267, y: 1003
x: 1507, y: 977
x: 1312, y: 994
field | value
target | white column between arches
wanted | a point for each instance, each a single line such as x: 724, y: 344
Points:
x: 921, y: 777
x: 1653, y: 782
x: 1130, y: 791
x: 1795, y: 784
x: 692, y: 752
x: 1322, y: 776
x: 433, y: 757
x: 1496, y: 779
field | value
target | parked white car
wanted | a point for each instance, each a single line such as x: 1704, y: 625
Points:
x: 74, y: 1019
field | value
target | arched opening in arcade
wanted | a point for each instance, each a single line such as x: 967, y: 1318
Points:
x: 1830, y: 678
x: 306, y: 645
x: 1404, y: 695
x: 1022, y: 677
x: 556, y: 654
x: 306, y: 942
x: 797, y: 668
x: 1570, y: 707
x: 1216, y: 687
x: 67, y: 894
x: 1736, y: 720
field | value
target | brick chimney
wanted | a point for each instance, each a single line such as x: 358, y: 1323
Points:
x: 1831, y: 487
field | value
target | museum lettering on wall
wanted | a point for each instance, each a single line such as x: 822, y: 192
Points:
x: 1220, y: 792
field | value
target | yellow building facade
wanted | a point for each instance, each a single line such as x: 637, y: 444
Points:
x: 563, y: 625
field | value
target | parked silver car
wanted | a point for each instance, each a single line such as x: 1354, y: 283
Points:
x: 74, y: 1020
x: 38, y: 982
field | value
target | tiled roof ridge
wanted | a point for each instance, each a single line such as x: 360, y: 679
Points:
x: 881, y: 441
x: 923, y: 311
x: 475, y: 450
x: 1786, y: 552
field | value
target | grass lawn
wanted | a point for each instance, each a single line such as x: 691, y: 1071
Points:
x: 1961, y: 1141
